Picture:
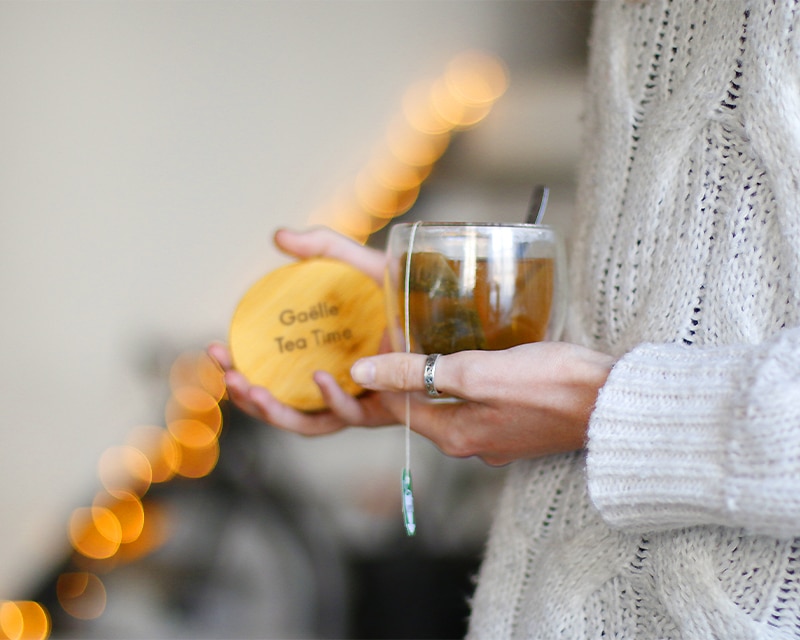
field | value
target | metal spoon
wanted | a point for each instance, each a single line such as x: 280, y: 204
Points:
x: 538, y: 204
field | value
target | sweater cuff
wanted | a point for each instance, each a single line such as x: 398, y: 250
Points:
x: 657, y: 452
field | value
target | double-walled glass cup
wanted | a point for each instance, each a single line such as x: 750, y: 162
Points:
x: 459, y: 286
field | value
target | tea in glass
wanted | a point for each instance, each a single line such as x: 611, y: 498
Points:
x: 473, y: 286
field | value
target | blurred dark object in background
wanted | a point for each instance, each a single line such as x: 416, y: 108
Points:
x: 249, y: 557
x: 409, y: 594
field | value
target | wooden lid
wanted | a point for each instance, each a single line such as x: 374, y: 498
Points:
x: 317, y: 314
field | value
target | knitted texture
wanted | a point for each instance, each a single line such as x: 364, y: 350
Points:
x: 681, y: 519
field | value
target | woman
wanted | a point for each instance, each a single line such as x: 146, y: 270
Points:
x: 655, y: 491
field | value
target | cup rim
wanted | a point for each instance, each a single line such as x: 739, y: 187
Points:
x: 451, y: 224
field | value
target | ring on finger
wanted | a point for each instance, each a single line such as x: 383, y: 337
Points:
x: 429, y: 373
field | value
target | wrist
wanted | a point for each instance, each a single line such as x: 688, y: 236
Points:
x: 589, y: 378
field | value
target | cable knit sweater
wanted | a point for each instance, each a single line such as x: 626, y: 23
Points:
x: 681, y: 519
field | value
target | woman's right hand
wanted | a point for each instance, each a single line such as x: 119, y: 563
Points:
x: 345, y: 410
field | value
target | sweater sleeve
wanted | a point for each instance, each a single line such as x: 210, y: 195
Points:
x: 686, y: 436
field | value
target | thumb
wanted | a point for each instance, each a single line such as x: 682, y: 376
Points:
x: 325, y: 242
x: 396, y: 372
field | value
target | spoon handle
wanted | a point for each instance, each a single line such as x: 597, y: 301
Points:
x: 538, y: 204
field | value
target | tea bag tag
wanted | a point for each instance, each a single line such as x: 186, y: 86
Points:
x: 408, y: 503
x: 312, y: 315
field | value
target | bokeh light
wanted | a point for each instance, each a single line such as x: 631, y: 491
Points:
x: 81, y: 594
x: 458, y: 113
x: 160, y: 449
x: 432, y: 111
x: 121, y: 526
x: 195, y: 399
x: 199, y: 447
x: 388, y: 171
x: 23, y: 620
x: 347, y: 217
x: 128, y: 510
x: 125, y: 468
x: 418, y: 110
x: 155, y: 532
x: 95, y: 532
x: 413, y: 147
x: 196, y: 369
x: 176, y: 409
x: 381, y: 201
x: 476, y: 78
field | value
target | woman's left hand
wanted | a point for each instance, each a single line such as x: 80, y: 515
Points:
x: 524, y: 402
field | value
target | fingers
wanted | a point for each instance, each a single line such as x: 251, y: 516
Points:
x: 460, y: 429
x: 324, y: 242
x: 262, y: 405
x: 285, y: 417
x: 405, y: 372
x: 341, y: 403
x: 221, y: 354
x: 239, y: 392
x: 364, y: 411
x: 479, y: 376
x: 344, y: 409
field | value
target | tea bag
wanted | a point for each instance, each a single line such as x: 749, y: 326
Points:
x: 442, y: 318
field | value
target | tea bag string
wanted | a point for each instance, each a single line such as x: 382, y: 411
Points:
x: 407, y: 490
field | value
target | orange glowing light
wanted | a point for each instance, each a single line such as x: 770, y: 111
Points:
x: 414, y: 148
x: 125, y: 468
x: 81, y: 594
x: 195, y: 399
x: 128, y: 510
x: 197, y: 369
x: 177, y: 410
x: 160, y: 449
x: 387, y: 171
x: 11, y: 622
x: 417, y: 109
x: 476, y: 78
x: 381, y: 201
x: 355, y: 223
x: 378, y: 224
x: 154, y: 533
x: 432, y: 110
x: 458, y: 113
x: 199, y: 447
x: 95, y: 532
x: 446, y: 104
x: 211, y: 376
x: 192, y: 433
x: 23, y: 620
x: 198, y: 462
x: 340, y: 206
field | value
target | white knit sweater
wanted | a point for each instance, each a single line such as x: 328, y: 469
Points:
x: 682, y: 518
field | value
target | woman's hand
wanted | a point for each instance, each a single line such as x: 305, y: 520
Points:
x: 524, y: 402
x: 368, y: 410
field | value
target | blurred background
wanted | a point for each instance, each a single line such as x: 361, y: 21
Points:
x: 148, y: 152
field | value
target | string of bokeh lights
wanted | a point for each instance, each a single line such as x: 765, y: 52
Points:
x: 432, y: 111
x: 123, y: 523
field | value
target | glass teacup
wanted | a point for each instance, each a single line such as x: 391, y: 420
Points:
x: 459, y: 286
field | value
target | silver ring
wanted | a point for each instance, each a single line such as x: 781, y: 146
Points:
x: 429, y: 373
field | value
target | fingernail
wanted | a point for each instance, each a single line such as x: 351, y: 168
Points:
x: 363, y: 372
